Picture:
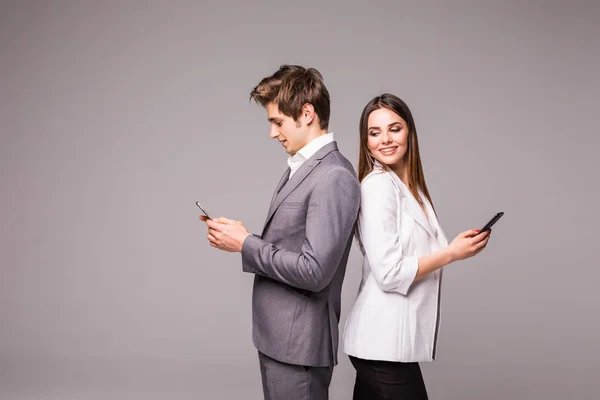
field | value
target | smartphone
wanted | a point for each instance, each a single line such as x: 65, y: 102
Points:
x: 491, y: 222
x: 203, y: 210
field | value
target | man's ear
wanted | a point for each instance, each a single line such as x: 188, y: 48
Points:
x: 308, y: 113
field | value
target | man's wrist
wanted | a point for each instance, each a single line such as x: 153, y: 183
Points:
x: 243, y: 240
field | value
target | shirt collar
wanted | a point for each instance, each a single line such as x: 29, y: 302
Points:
x: 315, y: 145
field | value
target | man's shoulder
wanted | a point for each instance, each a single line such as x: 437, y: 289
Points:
x: 336, y: 169
x: 335, y: 159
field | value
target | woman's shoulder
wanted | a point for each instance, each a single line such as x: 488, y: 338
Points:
x: 378, y: 179
x: 376, y: 176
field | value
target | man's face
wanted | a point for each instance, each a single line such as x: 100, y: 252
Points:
x: 291, y: 134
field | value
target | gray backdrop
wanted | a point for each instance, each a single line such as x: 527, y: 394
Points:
x: 116, y: 116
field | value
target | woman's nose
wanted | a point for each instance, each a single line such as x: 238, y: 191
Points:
x: 386, y: 137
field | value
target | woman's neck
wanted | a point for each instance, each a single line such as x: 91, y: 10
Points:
x: 400, y: 169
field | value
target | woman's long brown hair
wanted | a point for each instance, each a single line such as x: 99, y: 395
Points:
x: 416, y: 178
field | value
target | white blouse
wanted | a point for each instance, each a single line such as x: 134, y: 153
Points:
x: 394, y: 317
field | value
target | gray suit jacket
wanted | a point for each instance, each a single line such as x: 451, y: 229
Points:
x: 300, y: 259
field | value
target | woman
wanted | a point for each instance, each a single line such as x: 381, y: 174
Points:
x: 394, y: 321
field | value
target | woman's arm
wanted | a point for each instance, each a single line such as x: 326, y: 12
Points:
x: 380, y: 235
x: 465, y: 245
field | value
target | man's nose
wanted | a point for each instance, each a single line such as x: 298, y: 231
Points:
x: 274, y: 133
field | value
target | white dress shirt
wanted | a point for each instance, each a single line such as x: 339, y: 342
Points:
x: 394, y: 317
x: 296, y: 161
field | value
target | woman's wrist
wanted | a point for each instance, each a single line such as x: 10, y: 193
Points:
x: 449, y: 256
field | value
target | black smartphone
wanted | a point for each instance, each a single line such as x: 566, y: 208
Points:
x: 491, y: 222
x: 203, y: 210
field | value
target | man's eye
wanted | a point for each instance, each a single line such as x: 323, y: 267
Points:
x: 278, y: 124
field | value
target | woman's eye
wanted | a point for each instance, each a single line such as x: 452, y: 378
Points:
x: 373, y: 133
x: 395, y: 130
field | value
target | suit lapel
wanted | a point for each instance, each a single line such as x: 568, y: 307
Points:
x: 285, y: 188
x: 412, y: 207
x: 282, y: 182
x: 441, y: 237
x: 416, y: 212
x: 292, y: 183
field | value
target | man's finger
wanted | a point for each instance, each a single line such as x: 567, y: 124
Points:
x: 214, y: 224
x: 223, y: 220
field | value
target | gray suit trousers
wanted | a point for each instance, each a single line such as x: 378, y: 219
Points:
x: 282, y: 381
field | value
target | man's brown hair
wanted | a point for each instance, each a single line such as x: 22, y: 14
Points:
x: 292, y: 86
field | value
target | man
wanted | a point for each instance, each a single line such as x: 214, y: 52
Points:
x: 299, y: 260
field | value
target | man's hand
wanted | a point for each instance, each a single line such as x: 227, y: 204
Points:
x: 225, y: 234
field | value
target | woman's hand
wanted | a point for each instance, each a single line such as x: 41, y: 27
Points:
x: 468, y: 243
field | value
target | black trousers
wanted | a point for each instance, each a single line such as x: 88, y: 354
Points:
x: 388, y: 380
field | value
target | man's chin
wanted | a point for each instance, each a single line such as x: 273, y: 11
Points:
x: 291, y: 152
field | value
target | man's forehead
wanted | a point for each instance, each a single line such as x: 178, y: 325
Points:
x: 273, y: 111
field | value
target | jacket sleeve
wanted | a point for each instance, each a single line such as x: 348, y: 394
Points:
x: 330, y: 221
x: 379, y: 223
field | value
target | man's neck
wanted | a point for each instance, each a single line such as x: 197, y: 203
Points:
x: 315, y: 134
x: 311, y: 137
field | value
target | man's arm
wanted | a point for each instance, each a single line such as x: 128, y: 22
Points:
x: 332, y: 212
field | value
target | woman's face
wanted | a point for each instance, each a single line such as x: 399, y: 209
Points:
x: 387, y: 136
